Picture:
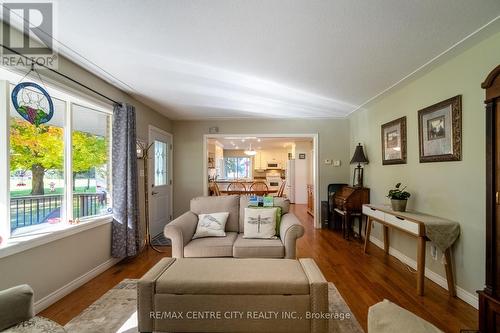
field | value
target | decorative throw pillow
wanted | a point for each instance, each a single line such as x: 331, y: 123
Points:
x: 211, y: 225
x: 260, y: 223
x: 278, y: 217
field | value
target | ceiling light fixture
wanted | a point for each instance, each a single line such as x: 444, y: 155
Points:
x: 250, y: 151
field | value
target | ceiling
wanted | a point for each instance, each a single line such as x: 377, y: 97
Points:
x: 252, y: 59
x: 258, y: 143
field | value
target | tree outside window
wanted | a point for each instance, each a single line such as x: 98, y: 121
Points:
x: 237, y: 167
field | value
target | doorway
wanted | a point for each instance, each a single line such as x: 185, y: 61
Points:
x: 269, y: 158
x: 160, y: 175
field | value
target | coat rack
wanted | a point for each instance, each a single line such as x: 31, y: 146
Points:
x: 143, y: 153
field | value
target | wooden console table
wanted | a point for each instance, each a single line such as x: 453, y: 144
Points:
x: 425, y: 227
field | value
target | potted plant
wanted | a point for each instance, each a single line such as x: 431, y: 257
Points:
x: 399, y: 198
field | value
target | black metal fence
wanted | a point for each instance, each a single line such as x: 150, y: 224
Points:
x: 37, y: 209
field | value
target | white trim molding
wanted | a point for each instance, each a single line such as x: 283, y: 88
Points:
x: 56, y: 295
x: 48, y: 234
x: 463, y: 294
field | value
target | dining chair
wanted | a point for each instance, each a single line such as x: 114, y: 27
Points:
x: 281, y: 189
x: 236, y: 187
x: 260, y: 188
x: 215, y: 189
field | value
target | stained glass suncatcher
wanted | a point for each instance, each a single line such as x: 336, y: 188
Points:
x: 32, y: 102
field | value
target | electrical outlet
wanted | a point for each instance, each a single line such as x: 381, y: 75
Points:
x: 336, y: 163
x: 141, y: 173
x: 434, y: 252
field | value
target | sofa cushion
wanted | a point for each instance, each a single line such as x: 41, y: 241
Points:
x: 244, y: 200
x: 227, y: 203
x: 260, y: 223
x: 211, y: 246
x: 258, y: 248
x: 211, y: 225
x: 230, y: 276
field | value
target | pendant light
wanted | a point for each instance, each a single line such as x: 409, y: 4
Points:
x: 250, y: 151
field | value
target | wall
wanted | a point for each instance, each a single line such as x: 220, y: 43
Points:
x: 188, y: 150
x: 49, y: 267
x: 453, y: 190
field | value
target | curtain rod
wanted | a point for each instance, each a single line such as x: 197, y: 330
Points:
x: 61, y: 74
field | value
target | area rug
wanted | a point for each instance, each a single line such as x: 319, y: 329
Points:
x: 115, y: 312
x: 161, y: 240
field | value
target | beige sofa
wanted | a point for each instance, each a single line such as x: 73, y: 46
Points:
x: 181, y: 231
x: 232, y: 295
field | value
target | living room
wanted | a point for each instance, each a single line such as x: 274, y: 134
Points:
x: 104, y: 146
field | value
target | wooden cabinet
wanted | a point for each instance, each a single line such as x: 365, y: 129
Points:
x: 489, y: 298
x: 310, y: 199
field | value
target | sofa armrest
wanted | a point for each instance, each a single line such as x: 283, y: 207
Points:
x: 181, y: 231
x: 290, y: 231
x: 16, y: 305
x: 145, y: 294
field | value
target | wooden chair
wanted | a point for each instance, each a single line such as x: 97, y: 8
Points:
x: 260, y: 188
x: 281, y: 190
x: 215, y: 189
x: 237, y: 187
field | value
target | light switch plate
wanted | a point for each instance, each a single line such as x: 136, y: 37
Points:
x: 328, y: 161
x: 141, y: 173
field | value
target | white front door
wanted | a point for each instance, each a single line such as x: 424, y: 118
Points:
x: 160, y: 180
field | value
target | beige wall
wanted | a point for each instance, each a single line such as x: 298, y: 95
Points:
x: 454, y: 190
x: 188, y: 150
x: 49, y: 267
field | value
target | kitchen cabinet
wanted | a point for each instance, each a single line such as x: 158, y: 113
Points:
x: 257, y: 161
x: 273, y: 155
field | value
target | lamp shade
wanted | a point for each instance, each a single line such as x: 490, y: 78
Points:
x: 359, y: 155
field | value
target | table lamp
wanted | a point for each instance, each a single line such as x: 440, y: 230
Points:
x: 358, y: 157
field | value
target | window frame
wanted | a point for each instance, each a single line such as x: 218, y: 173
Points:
x: 6, y: 79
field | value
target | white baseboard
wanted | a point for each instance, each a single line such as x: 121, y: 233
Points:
x: 53, y: 297
x: 463, y: 294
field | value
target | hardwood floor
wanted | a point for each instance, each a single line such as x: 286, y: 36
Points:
x: 362, y: 279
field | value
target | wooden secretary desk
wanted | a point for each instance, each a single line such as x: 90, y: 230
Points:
x: 489, y: 298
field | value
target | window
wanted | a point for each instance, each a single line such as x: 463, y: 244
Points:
x: 160, y: 164
x: 237, y: 167
x: 36, y: 168
x: 60, y: 170
x: 91, y: 162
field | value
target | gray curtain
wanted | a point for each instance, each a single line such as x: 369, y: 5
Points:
x: 125, y: 229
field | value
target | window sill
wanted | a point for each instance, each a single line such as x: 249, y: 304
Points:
x: 30, y: 239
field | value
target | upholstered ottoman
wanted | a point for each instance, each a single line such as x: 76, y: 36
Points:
x: 233, y: 295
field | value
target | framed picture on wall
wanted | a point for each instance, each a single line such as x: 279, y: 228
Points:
x: 394, y: 142
x: 440, y: 131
